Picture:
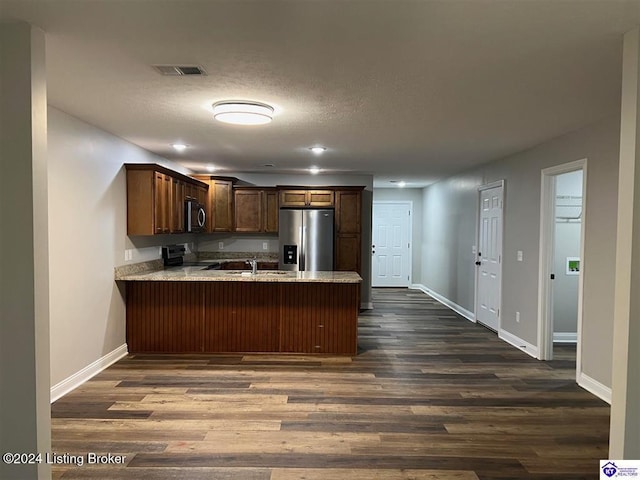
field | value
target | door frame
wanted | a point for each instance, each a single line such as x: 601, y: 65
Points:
x: 481, y: 188
x: 408, y: 203
x: 547, y: 229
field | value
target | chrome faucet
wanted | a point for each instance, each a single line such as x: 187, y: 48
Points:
x: 254, y: 265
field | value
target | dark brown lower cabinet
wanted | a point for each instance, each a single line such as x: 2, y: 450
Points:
x: 247, y: 317
x: 241, y: 317
x: 319, y: 318
x: 164, y: 317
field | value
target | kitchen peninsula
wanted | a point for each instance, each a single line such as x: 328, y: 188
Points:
x: 191, y: 310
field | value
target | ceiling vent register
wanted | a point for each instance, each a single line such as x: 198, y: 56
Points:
x: 180, y: 70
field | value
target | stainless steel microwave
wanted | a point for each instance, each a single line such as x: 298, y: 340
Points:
x: 194, y: 216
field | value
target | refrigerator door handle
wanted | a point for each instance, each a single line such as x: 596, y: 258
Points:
x: 303, y: 249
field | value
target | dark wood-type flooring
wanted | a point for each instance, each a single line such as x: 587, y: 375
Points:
x: 429, y: 396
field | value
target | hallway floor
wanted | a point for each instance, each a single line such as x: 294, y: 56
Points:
x: 429, y: 396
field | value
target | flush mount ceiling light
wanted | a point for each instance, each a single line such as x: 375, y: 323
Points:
x: 180, y: 147
x: 317, y: 150
x: 242, y: 113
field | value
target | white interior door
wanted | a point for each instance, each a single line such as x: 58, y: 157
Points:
x: 391, y: 244
x: 489, y: 260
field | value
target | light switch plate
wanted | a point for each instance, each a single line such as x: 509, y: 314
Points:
x: 220, y: 245
x: 520, y: 255
x: 265, y: 245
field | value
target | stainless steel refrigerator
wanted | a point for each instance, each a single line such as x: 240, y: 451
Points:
x: 306, y: 239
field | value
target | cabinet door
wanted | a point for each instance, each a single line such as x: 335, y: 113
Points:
x: 293, y: 198
x: 348, y: 211
x: 320, y: 198
x: 221, y: 195
x: 248, y: 210
x: 201, y: 194
x: 164, y: 317
x: 162, y: 203
x: 319, y: 318
x: 241, y: 316
x: 177, y: 205
x: 190, y: 192
x: 348, y: 252
x: 271, y: 211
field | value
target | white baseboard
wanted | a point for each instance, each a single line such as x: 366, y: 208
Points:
x: 445, y: 301
x: 517, y: 342
x: 598, y: 389
x: 564, y: 337
x: 78, y: 378
x: 366, y: 305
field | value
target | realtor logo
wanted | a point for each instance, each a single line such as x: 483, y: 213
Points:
x: 609, y: 469
x: 614, y: 469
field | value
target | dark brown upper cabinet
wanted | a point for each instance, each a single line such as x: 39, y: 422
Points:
x: 256, y: 209
x: 155, y: 199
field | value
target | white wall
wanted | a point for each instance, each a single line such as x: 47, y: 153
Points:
x: 25, y: 413
x: 246, y: 242
x: 448, y: 234
x: 413, y: 195
x: 449, y: 228
x: 87, y: 239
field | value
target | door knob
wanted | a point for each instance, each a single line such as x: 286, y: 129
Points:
x: 478, y: 263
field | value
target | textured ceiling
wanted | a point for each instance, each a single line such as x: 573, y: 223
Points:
x: 412, y: 90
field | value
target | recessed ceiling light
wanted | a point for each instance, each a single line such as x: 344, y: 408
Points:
x: 314, y: 170
x: 242, y: 113
x: 402, y: 183
x: 211, y: 168
x: 317, y: 150
x: 180, y: 147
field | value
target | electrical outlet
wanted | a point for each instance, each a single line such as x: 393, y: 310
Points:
x: 517, y: 317
x: 220, y: 245
x: 520, y: 255
x: 265, y: 245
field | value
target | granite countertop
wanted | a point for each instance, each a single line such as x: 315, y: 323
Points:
x: 197, y: 274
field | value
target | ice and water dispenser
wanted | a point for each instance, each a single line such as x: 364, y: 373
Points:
x: 290, y: 254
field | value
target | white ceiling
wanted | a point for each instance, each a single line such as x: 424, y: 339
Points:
x: 404, y: 90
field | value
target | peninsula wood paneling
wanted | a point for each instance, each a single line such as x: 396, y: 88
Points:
x: 319, y: 318
x: 164, y: 317
x: 258, y: 317
x: 241, y: 317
